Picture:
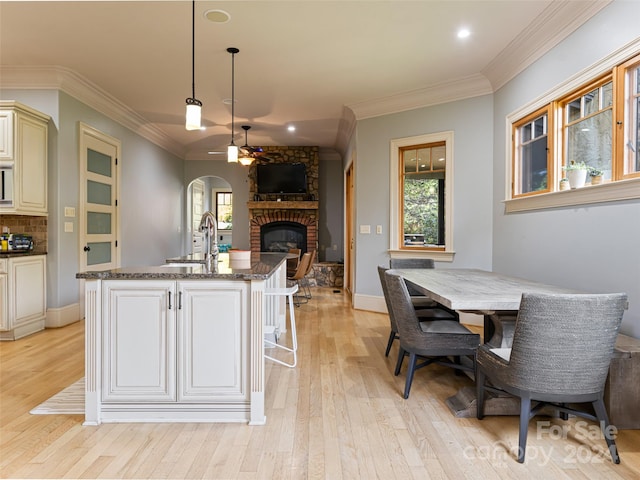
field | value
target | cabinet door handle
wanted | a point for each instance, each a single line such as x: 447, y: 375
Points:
x: 169, y: 299
x: 87, y: 248
x: 180, y: 300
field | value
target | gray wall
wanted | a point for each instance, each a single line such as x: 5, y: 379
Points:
x: 471, y: 121
x: 592, y: 247
x: 331, y: 214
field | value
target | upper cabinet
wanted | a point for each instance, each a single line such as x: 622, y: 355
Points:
x: 23, y: 160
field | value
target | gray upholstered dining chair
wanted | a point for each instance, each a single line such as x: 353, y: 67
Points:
x: 428, y: 313
x: 419, y: 300
x: 432, y: 341
x: 562, y: 347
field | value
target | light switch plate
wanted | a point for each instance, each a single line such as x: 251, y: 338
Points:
x: 364, y: 229
x: 68, y: 227
x: 378, y: 229
x: 69, y: 212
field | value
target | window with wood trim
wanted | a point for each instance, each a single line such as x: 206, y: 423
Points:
x: 587, y: 127
x: 532, y: 165
x: 421, y: 196
x: 596, y: 123
x: 628, y: 119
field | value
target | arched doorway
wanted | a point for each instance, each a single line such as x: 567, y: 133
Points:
x: 209, y: 193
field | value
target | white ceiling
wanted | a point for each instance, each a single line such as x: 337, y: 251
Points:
x: 300, y: 62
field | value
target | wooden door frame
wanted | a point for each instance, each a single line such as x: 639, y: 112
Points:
x: 349, y: 263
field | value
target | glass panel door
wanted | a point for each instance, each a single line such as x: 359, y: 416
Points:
x: 98, y: 209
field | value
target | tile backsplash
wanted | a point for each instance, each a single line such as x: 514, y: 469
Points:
x: 34, y: 226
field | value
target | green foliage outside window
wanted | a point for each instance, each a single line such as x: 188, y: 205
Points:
x: 421, y: 208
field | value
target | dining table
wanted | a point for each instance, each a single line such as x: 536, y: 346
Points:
x: 495, y: 296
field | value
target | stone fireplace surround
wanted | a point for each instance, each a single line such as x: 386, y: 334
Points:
x: 265, y: 209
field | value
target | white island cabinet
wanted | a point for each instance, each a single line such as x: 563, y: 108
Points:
x: 178, y: 344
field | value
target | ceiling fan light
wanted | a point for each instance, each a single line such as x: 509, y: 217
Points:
x: 194, y: 114
x: 246, y: 161
x: 232, y: 153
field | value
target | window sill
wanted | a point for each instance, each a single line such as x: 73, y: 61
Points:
x: 436, y: 255
x: 606, y: 192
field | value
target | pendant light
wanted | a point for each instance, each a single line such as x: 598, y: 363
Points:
x: 194, y: 106
x: 232, y: 149
x: 246, y: 159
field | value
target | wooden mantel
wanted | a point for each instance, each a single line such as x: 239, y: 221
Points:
x: 298, y: 205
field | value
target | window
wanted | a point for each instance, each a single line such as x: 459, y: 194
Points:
x: 594, y: 118
x: 588, y: 126
x: 423, y: 171
x: 532, y: 162
x: 224, y: 209
x: 629, y: 114
x: 421, y: 196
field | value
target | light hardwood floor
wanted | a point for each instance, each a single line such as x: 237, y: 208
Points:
x: 338, y: 415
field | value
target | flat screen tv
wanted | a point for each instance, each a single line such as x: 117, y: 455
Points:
x: 282, y: 178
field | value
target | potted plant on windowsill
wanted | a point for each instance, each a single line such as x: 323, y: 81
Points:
x: 596, y: 175
x: 564, y: 184
x: 576, y: 173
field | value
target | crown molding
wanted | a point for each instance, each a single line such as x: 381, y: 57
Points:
x: 554, y: 24
x: 53, y: 77
x: 467, y: 87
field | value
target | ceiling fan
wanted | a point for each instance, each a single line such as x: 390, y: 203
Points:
x: 251, y: 153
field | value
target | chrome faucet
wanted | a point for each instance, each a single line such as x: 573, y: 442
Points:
x: 209, y: 227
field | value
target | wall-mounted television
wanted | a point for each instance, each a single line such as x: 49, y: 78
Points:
x: 282, y: 178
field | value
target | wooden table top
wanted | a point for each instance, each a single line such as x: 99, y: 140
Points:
x: 474, y: 290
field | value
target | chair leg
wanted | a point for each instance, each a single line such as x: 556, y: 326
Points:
x: 392, y: 337
x: 399, y: 362
x: 603, y: 419
x: 525, y: 411
x: 479, y: 394
x: 412, y: 367
x: 564, y: 415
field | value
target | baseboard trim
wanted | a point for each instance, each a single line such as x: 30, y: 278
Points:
x: 60, y: 317
x: 370, y: 303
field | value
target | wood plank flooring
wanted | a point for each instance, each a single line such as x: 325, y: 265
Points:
x: 339, y: 415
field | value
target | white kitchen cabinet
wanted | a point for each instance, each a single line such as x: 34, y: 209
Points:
x: 23, y: 150
x: 24, y: 296
x: 4, y: 296
x: 174, y: 342
x: 140, y: 342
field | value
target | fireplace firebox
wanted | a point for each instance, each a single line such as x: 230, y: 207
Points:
x: 283, y: 236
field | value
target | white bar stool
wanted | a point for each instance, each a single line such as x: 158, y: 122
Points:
x: 288, y: 292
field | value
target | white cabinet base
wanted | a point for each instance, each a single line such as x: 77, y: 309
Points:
x: 233, y: 393
x: 24, y: 297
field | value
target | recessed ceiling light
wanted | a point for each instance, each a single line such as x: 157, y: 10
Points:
x: 464, y: 33
x: 217, y: 16
x: 291, y: 128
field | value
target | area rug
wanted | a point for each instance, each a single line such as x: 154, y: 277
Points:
x: 69, y: 401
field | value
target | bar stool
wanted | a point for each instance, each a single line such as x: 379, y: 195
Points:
x: 289, y: 292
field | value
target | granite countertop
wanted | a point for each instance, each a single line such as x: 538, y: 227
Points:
x: 19, y: 253
x: 260, y: 267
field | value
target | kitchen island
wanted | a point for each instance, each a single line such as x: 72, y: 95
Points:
x: 180, y: 342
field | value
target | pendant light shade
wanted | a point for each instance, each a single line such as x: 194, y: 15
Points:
x: 194, y: 114
x: 194, y: 106
x: 232, y: 150
x: 246, y: 159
